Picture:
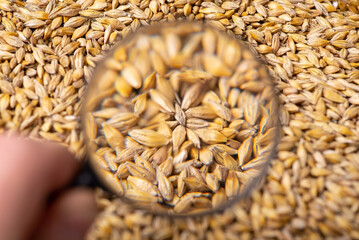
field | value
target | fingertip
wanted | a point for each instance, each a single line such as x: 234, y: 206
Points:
x: 29, y: 171
x: 37, y: 161
x: 61, y: 164
x: 70, y: 216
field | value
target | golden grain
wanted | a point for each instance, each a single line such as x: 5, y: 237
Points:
x: 298, y: 209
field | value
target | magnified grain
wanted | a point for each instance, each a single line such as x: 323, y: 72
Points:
x: 194, y: 126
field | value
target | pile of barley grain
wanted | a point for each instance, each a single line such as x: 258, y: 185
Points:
x: 48, y: 50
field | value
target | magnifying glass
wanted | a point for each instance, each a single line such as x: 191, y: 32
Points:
x: 181, y: 119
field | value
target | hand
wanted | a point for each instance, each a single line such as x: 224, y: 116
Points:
x: 29, y: 172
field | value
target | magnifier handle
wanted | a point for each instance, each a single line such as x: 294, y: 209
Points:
x: 86, y: 177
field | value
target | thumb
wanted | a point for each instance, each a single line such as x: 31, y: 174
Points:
x: 69, y: 216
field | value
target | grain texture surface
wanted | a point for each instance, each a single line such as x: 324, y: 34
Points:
x: 48, y: 51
